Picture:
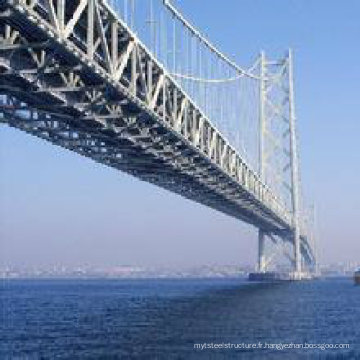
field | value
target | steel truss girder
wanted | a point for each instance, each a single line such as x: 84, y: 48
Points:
x: 98, y: 79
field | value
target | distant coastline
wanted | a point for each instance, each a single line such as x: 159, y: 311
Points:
x: 126, y: 272
x: 136, y: 272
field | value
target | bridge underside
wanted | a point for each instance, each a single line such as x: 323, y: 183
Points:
x: 137, y: 122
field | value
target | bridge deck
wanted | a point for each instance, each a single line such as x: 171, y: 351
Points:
x: 79, y: 78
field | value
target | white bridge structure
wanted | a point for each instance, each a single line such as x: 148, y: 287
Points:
x: 133, y: 85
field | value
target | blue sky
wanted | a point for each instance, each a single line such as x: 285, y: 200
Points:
x: 58, y: 207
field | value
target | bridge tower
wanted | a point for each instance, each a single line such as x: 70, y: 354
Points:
x: 277, y: 106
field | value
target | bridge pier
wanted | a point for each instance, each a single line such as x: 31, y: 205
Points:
x: 261, y: 252
x: 297, y: 256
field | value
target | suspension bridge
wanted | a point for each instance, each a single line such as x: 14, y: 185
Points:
x: 135, y: 86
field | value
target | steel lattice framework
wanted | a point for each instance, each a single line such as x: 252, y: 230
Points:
x: 74, y: 74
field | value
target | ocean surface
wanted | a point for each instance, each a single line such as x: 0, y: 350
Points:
x: 164, y: 319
